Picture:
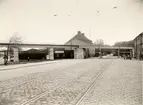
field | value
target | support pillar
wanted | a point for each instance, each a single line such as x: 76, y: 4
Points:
x: 91, y: 52
x: 118, y: 53
x: 100, y: 52
x: 78, y: 53
x: 51, y: 53
x: 132, y: 52
x: 16, y: 54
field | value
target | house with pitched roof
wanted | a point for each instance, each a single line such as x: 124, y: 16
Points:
x: 81, y: 39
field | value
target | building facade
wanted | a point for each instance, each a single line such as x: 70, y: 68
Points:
x: 138, y: 47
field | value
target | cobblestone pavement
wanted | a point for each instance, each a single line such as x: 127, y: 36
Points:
x: 66, y: 83
x: 121, y: 84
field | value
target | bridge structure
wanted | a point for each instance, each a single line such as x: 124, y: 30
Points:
x: 38, y: 45
x: 51, y: 49
x: 93, y: 49
x: 79, y: 51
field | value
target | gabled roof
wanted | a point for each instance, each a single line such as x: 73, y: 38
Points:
x: 138, y: 35
x: 80, y: 36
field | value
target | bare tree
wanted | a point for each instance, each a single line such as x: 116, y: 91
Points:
x: 99, y: 42
x: 16, y: 39
x: 124, y: 44
x: 13, y: 41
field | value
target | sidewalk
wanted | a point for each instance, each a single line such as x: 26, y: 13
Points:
x: 28, y: 64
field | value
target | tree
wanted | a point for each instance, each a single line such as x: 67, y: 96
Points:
x: 106, y: 45
x: 124, y: 44
x: 15, y: 39
x: 99, y: 42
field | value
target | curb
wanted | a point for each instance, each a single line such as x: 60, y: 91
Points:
x: 25, y: 66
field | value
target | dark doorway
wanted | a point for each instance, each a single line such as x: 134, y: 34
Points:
x: 69, y: 54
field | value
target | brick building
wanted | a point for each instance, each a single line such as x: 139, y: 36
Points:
x: 138, y: 46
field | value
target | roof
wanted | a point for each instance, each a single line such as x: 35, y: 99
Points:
x: 80, y: 36
x: 138, y: 35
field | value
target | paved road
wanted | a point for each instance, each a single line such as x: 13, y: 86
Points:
x: 74, y: 82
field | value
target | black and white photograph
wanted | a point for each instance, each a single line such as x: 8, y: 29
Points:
x: 71, y: 52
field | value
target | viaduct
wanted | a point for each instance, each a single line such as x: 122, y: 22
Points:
x: 80, y: 51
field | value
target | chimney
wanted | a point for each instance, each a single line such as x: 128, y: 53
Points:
x: 79, y: 32
x: 82, y: 34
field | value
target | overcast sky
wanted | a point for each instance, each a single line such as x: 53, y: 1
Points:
x: 56, y: 21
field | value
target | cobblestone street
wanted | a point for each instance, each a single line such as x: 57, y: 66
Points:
x: 121, y: 84
x: 74, y: 82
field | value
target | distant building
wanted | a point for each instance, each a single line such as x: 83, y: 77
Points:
x: 138, y: 46
x: 79, y: 39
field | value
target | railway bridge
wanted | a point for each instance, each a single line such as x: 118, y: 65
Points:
x: 118, y: 51
x: 67, y: 51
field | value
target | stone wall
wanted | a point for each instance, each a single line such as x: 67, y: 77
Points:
x: 138, y: 46
x: 78, y: 53
x: 51, y: 54
x: 16, y: 54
